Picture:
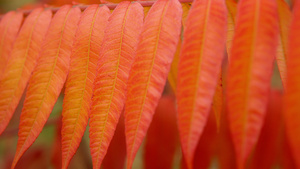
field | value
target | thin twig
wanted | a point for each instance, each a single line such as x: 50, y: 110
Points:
x: 110, y: 6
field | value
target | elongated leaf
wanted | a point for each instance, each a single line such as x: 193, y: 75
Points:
x: 162, y: 136
x: 9, y: 27
x: 79, y: 85
x: 172, y: 76
x: 48, y: 77
x: 249, y: 74
x: 285, y: 16
x: 232, y: 8
x: 156, y: 49
x: 198, y: 70
x: 292, y: 95
x: 218, y: 100
x: 116, y: 57
x: 25, y: 54
x: 116, y: 152
x: 267, y: 147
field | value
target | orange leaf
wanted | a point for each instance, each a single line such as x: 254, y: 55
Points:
x: 285, y: 16
x: 116, y: 57
x: 48, y: 77
x: 155, y: 51
x: 18, y: 70
x: 218, y: 100
x: 79, y: 85
x: 292, y: 95
x: 231, y: 17
x: 198, y: 70
x: 9, y: 27
x: 249, y: 74
x: 162, y: 138
x: 267, y: 147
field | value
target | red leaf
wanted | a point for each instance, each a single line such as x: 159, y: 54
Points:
x: 18, y: 70
x: 249, y: 74
x: 47, y: 78
x: 79, y: 85
x: 9, y: 27
x: 162, y: 138
x: 198, y: 70
x: 116, y: 152
x: 116, y: 57
x: 292, y: 95
x: 155, y: 51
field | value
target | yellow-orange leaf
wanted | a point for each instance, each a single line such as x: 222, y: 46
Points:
x: 198, y: 70
x: 9, y: 27
x: 250, y: 70
x: 285, y: 16
x: 19, y: 67
x: 218, y: 100
x: 292, y: 95
x: 110, y: 86
x: 155, y: 51
x: 79, y: 85
x: 231, y: 17
x: 48, y: 77
x: 172, y: 76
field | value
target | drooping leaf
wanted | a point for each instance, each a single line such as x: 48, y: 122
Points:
x: 155, y: 51
x: 218, y: 100
x: 292, y: 95
x: 267, y: 148
x: 198, y: 70
x: 116, y: 152
x: 48, y: 77
x: 249, y: 74
x: 19, y: 67
x: 285, y: 16
x: 9, y: 27
x: 231, y: 17
x: 162, y: 137
x: 172, y: 76
x: 110, y: 86
x: 79, y: 85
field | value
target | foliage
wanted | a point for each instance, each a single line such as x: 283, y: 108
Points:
x: 106, y: 63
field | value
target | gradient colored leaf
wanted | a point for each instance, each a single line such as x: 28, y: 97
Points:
x: 110, y: 86
x: 79, y: 85
x: 249, y: 74
x: 198, y: 70
x: 48, y: 77
x: 267, y: 148
x: 116, y: 152
x: 285, y: 16
x: 292, y: 95
x: 9, y: 27
x: 19, y: 67
x: 155, y: 51
x: 162, y: 137
x: 231, y: 17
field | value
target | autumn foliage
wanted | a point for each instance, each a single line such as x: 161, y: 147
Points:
x: 192, y: 79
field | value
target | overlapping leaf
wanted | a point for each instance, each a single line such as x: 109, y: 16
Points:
x: 156, y: 48
x: 162, y: 136
x: 285, y: 16
x: 48, y: 77
x: 9, y: 27
x: 250, y: 70
x: 232, y: 8
x: 79, y: 85
x: 292, y: 97
x: 116, y: 57
x: 19, y: 67
x: 198, y: 70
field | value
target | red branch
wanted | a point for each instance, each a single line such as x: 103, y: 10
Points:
x: 110, y: 6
